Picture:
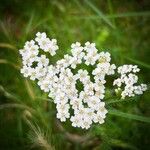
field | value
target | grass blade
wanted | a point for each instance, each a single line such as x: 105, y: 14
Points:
x: 29, y: 89
x: 7, y: 94
x: 29, y: 25
x: 122, y: 144
x: 4, y: 61
x: 9, y: 46
x: 44, y: 99
x: 4, y: 29
x: 99, y: 13
x: 138, y: 62
x: 111, y: 16
x: 130, y: 14
x: 15, y: 105
x: 129, y: 116
x: 119, y: 101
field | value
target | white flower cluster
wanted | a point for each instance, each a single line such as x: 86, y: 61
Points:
x: 83, y: 107
x: 35, y: 66
x: 129, y: 79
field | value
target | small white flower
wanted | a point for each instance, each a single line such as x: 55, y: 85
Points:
x: 143, y: 87
x: 42, y: 61
x: 111, y: 69
x: 26, y: 71
x: 46, y: 44
x: 40, y: 36
x: 40, y: 71
x: 104, y: 57
x: 29, y: 44
x: 33, y: 74
x: 73, y: 62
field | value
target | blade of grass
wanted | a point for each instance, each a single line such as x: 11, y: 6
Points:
x: 4, y: 61
x: 19, y: 123
x: 5, y: 30
x: 29, y: 25
x: 44, y: 99
x: 119, y: 101
x: 122, y: 144
x: 130, y: 14
x: 40, y: 23
x: 138, y: 62
x: 99, y: 13
x: 7, y: 94
x: 129, y: 116
x: 9, y: 46
x: 121, y: 15
x: 15, y: 105
x: 111, y: 11
x: 29, y: 89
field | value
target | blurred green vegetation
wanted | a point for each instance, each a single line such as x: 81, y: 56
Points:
x: 27, y: 117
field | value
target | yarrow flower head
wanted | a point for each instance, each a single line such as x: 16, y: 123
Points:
x: 128, y: 80
x: 61, y: 83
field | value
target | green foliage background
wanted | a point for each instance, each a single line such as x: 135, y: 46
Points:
x: 27, y: 116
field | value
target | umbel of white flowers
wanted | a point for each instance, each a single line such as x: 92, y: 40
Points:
x: 60, y: 82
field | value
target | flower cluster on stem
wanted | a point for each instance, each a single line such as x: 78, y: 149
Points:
x: 83, y: 107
